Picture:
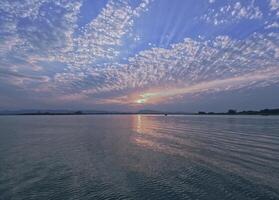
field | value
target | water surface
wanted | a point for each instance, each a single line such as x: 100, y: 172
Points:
x: 139, y: 157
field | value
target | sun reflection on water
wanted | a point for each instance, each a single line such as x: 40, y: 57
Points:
x: 142, y: 130
x: 151, y: 133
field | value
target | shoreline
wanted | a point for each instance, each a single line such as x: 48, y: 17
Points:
x: 158, y: 114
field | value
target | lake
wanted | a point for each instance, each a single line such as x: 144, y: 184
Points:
x: 139, y: 157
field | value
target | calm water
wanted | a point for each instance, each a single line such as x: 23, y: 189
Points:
x: 139, y: 157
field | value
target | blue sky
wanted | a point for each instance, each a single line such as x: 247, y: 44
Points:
x: 139, y: 54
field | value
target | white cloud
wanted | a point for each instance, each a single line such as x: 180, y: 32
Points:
x: 272, y: 25
x: 102, y: 37
x: 232, y: 13
x: 274, y: 5
x: 184, y: 65
x: 43, y: 31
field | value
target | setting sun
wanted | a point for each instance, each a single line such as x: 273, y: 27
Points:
x: 141, y: 101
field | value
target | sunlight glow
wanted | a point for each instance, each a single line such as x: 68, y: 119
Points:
x: 209, y: 86
x: 141, y: 101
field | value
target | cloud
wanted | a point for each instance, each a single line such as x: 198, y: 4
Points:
x: 33, y: 31
x: 212, y: 86
x: 184, y: 65
x: 39, y: 24
x: 274, y: 5
x: 37, y: 31
x: 43, y: 50
x: 272, y: 25
x: 23, y: 81
x: 5, y: 73
x: 232, y: 13
x: 102, y: 37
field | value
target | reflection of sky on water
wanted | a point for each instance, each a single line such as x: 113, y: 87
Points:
x: 148, y: 135
x: 139, y: 157
x: 224, y: 143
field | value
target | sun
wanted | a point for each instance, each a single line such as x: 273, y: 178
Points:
x: 141, y: 101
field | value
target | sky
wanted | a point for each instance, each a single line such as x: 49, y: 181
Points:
x: 172, y: 55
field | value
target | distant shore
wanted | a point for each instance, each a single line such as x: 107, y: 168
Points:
x: 249, y: 112
x: 264, y: 112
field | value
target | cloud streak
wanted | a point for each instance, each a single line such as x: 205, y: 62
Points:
x: 211, y: 86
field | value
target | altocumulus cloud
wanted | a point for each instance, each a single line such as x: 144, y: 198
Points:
x: 45, y: 51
